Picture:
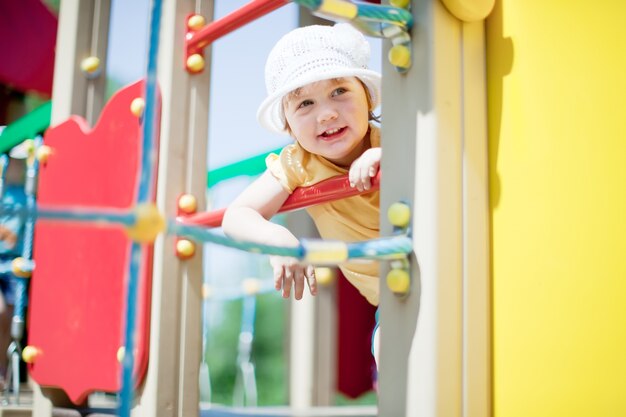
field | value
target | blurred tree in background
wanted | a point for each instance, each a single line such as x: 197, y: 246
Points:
x: 268, y: 351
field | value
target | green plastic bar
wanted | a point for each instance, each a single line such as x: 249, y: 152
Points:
x: 26, y: 127
x: 252, y: 166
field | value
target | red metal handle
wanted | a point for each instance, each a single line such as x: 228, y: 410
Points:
x: 256, y: 8
x: 331, y: 189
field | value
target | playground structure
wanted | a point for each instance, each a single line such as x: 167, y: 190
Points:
x: 436, y: 121
x: 45, y: 357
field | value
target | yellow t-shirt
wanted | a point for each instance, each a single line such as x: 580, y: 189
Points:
x: 349, y: 219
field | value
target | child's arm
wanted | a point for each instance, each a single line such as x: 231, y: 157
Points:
x: 364, y: 168
x: 247, y: 218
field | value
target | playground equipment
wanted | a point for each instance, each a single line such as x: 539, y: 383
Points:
x: 45, y: 354
x: 558, y: 265
x: 316, y: 253
x: 338, y: 253
x: 552, y: 253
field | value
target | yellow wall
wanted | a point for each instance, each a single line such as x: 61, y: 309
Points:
x: 557, y: 132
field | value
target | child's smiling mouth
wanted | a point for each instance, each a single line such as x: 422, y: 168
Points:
x: 331, y: 134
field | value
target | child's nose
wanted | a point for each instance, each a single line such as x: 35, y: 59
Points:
x: 326, y: 114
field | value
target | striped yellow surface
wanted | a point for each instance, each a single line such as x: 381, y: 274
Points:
x: 557, y: 132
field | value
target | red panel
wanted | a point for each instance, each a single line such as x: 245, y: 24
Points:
x: 28, y: 32
x: 78, y: 291
x: 357, y: 368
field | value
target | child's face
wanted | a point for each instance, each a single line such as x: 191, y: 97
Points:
x: 330, y: 118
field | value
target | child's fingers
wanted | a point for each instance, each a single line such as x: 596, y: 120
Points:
x: 364, y: 178
x: 278, y: 277
x: 355, y: 176
x: 352, y: 176
x: 311, y: 280
x: 298, y: 278
x: 287, y: 281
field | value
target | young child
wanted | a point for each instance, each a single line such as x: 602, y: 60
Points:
x: 322, y: 94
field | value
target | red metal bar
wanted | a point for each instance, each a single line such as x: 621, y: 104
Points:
x: 254, y: 9
x: 322, y: 192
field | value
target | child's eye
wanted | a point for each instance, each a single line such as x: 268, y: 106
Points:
x: 338, y: 91
x: 305, y: 103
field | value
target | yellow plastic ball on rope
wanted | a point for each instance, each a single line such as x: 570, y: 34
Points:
x: 90, y: 66
x: 185, y: 248
x: 324, y: 276
x: 148, y: 224
x: 399, y: 215
x: 43, y: 154
x: 403, y: 4
x: 30, y: 354
x: 251, y: 286
x: 399, y: 281
x: 196, y: 22
x: 17, y: 266
x: 120, y: 354
x: 195, y: 63
x: 137, y: 106
x: 400, y: 56
x: 29, y: 145
x: 188, y: 203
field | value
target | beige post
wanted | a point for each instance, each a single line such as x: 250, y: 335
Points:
x: 83, y: 31
x: 435, y: 358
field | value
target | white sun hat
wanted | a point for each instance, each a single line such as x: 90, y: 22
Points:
x: 309, y: 54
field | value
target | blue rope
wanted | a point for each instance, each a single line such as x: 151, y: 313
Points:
x: 203, y: 234
x: 70, y: 214
x: 148, y: 161
x: 381, y: 248
x: 4, y: 163
x: 21, y: 284
x: 247, y: 315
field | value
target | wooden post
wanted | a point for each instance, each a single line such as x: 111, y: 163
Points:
x: 435, y: 342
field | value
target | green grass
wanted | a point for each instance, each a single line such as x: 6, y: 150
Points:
x: 369, y: 398
x: 268, y: 352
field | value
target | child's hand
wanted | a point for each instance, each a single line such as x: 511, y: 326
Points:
x: 364, y: 168
x: 288, y: 271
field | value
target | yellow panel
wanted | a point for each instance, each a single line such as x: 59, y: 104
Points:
x: 557, y: 132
